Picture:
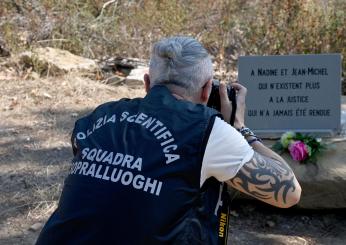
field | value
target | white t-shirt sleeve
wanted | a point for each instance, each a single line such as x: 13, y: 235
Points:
x: 226, y: 152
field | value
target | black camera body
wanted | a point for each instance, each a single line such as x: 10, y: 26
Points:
x: 214, y: 98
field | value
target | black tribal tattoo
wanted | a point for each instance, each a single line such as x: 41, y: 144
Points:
x: 264, y: 178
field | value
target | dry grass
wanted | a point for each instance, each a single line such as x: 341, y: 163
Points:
x: 228, y: 28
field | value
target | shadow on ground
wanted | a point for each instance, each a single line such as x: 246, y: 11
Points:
x: 34, y: 160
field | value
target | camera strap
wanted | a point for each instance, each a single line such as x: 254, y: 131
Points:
x: 234, y: 107
x: 223, y: 216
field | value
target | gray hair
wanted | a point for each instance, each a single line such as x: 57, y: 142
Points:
x: 181, y: 62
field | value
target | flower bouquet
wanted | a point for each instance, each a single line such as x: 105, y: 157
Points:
x: 302, y: 148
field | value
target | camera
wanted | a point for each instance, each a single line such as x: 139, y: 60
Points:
x: 214, y: 98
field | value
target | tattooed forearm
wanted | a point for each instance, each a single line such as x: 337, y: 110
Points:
x: 265, y: 178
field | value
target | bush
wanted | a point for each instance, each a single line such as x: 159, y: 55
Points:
x: 228, y: 28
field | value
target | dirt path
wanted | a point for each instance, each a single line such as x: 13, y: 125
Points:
x: 253, y: 223
x: 36, y: 118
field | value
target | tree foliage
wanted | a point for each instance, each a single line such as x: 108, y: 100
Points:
x: 228, y: 28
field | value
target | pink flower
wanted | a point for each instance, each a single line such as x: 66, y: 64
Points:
x: 298, y: 150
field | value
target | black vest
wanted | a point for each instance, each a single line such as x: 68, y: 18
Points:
x: 135, y: 177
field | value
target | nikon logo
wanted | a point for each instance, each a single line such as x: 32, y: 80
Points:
x: 222, y: 224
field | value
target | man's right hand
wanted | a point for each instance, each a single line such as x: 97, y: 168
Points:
x: 226, y: 104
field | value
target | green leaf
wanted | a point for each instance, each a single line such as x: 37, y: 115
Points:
x: 278, y: 147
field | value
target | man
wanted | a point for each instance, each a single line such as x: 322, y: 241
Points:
x: 148, y: 171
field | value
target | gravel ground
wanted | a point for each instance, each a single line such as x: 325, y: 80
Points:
x: 37, y: 117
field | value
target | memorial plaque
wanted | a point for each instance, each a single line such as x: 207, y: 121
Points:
x: 293, y: 92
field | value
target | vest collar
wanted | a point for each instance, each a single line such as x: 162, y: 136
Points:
x: 159, y: 91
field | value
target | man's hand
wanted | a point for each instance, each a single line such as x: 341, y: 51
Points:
x: 226, y: 104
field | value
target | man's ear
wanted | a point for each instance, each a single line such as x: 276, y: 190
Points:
x: 206, y: 89
x: 146, y: 82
